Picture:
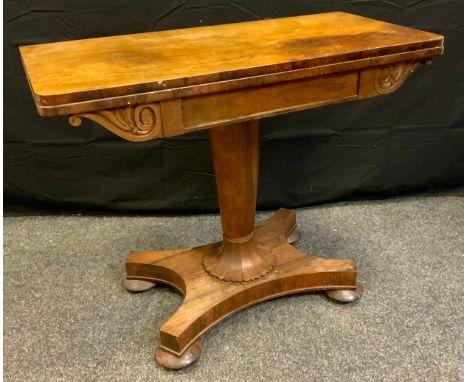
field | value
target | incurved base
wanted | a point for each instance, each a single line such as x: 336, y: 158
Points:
x: 208, y: 300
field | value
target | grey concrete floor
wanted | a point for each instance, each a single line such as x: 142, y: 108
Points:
x: 66, y: 317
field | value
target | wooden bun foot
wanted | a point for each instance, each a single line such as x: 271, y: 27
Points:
x: 137, y: 286
x: 346, y: 295
x: 294, y: 236
x: 170, y: 361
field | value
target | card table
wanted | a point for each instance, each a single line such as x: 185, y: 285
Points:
x: 226, y: 78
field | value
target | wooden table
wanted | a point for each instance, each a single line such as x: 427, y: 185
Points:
x: 226, y: 78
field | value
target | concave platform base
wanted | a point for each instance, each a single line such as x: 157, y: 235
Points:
x: 208, y: 299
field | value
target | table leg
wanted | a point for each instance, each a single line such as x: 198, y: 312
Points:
x: 251, y: 264
x: 235, y: 151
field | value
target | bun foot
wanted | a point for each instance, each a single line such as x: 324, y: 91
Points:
x: 171, y: 361
x: 137, y: 285
x: 294, y: 236
x: 346, y: 295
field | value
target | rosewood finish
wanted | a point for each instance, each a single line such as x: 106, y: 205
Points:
x: 226, y: 78
x: 79, y: 76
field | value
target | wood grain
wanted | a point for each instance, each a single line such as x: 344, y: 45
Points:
x: 241, y: 256
x: 209, y: 300
x: 235, y: 152
x: 225, y: 78
x: 80, y: 71
x: 385, y: 79
x: 261, y: 101
x: 134, y: 123
x: 183, y: 115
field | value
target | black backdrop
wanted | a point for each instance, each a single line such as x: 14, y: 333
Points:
x: 409, y: 141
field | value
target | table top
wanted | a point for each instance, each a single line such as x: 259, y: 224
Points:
x: 70, y: 72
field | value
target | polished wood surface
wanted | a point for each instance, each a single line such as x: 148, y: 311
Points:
x: 226, y: 78
x: 209, y: 300
x: 174, y: 117
x: 160, y: 65
x: 235, y: 151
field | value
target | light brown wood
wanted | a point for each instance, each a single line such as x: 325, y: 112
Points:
x: 257, y: 102
x: 81, y: 71
x: 136, y: 123
x: 209, y: 300
x: 226, y: 78
x: 386, y: 79
x: 235, y: 151
x: 184, y: 115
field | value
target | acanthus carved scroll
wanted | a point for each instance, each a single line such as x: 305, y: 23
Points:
x: 134, y: 123
x: 390, y: 77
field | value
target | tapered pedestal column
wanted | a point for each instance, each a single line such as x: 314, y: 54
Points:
x: 251, y: 264
x: 241, y: 256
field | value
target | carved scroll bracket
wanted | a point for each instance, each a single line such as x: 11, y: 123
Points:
x: 135, y: 123
x: 385, y: 79
x: 390, y: 77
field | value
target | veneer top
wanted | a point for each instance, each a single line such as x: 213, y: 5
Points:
x: 92, y: 69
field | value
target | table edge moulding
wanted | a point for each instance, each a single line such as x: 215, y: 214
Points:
x: 226, y: 78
